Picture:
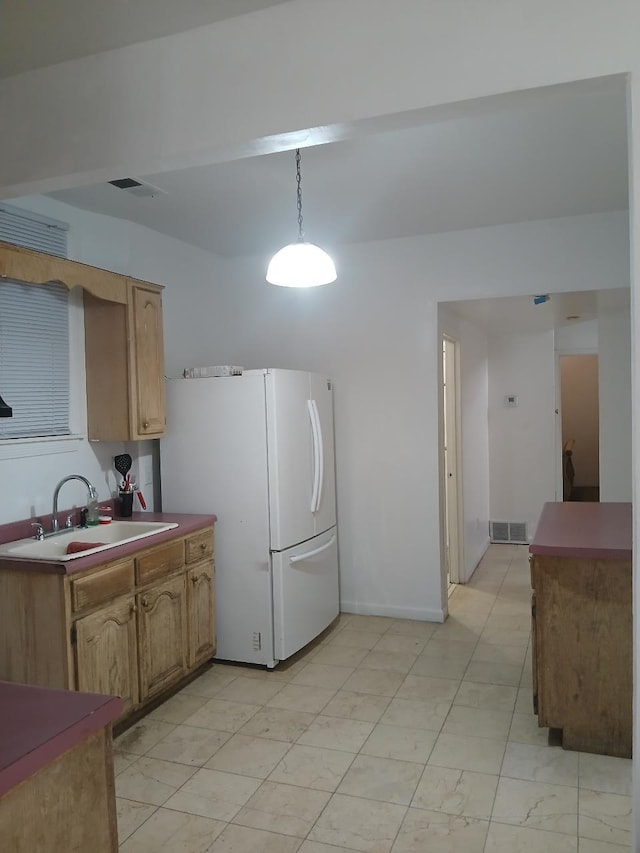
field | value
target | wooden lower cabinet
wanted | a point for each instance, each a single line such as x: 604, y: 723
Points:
x: 106, y: 653
x: 202, y: 610
x: 131, y: 628
x: 582, y: 651
x: 163, y: 636
x: 534, y: 657
x: 67, y: 805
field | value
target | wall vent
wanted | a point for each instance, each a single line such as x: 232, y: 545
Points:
x: 514, y: 532
x: 137, y: 188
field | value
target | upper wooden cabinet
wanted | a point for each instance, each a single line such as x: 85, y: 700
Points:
x: 125, y: 365
x: 32, y: 267
x: 147, y: 356
x: 123, y: 342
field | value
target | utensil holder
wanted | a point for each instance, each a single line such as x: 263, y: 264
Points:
x: 125, y: 504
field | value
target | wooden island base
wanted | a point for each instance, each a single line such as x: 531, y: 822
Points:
x: 582, y: 625
x: 57, y: 792
x: 67, y: 805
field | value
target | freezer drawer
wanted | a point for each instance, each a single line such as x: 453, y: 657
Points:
x: 305, y: 592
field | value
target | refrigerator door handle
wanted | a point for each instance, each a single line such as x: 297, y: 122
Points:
x: 320, y: 455
x: 316, y: 455
x: 300, y: 557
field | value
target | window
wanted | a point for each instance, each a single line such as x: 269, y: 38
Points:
x: 34, y: 335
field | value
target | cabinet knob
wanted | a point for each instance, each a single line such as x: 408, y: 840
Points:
x: 133, y: 608
x: 145, y: 424
x: 203, y: 546
x: 144, y: 601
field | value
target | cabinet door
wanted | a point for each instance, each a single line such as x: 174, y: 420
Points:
x: 162, y: 627
x: 147, y: 367
x: 106, y: 653
x: 202, y: 633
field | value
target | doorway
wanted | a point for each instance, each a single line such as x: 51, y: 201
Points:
x: 580, y: 427
x: 451, y: 457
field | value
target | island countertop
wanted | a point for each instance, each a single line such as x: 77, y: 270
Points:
x: 187, y: 523
x: 40, y: 724
x: 585, y: 530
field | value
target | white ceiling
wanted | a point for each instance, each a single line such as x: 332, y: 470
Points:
x: 519, y: 314
x: 553, y: 152
x: 38, y: 33
x: 540, y: 154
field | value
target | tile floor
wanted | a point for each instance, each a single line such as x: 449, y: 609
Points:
x: 385, y: 735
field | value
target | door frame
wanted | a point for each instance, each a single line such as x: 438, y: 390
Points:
x: 452, y: 498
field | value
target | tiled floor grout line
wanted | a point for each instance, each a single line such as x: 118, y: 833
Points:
x: 506, y: 590
x: 513, y: 711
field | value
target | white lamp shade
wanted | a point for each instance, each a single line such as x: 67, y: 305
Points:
x: 301, y: 264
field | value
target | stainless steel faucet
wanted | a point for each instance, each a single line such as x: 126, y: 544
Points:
x: 91, y: 489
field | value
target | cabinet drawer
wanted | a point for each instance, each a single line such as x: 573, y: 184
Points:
x: 103, y: 585
x: 159, y: 562
x: 200, y: 546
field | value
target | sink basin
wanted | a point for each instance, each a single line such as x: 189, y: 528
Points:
x: 108, y: 535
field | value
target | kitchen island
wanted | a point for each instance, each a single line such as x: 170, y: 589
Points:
x: 582, y: 625
x: 56, y: 770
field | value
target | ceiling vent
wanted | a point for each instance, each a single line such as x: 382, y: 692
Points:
x: 137, y: 188
x: 514, y: 532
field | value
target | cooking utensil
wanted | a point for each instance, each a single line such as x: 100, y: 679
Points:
x: 143, y: 503
x: 122, y: 463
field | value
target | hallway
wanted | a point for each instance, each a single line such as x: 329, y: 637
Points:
x: 384, y: 735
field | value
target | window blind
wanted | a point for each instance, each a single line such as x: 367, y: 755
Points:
x: 23, y: 228
x: 34, y: 335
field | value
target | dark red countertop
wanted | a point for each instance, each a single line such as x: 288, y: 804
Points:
x: 589, y: 530
x: 40, y: 724
x: 186, y: 524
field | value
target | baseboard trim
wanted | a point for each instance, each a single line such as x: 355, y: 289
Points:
x: 423, y: 614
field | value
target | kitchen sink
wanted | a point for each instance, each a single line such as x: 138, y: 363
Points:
x: 102, y: 537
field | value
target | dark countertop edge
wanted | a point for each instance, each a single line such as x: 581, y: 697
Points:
x: 187, y: 523
x: 106, y: 710
x: 584, y: 553
x: 584, y: 531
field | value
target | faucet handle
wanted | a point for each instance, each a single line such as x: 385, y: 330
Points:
x: 68, y: 523
x: 39, y: 530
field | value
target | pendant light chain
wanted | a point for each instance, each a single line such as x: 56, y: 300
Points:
x: 299, y: 193
x: 300, y: 264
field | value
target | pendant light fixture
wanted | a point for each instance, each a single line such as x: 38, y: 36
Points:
x: 301, y: 264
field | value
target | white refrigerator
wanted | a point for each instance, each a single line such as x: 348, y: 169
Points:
x: 257, y: 450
